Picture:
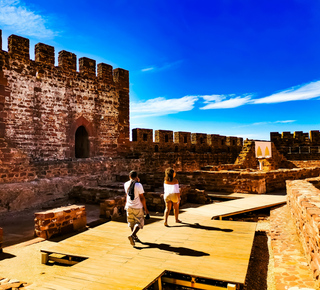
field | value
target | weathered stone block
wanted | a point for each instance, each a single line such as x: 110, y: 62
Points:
x: 18, y: 47
x: 60, y: 221
x: 87, y: 66
x: 67, y: 60
x: 105, y: 72
x: 44, y: 54
x: 121, y: 77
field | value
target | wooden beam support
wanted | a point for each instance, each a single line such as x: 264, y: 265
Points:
x: 44, y: 258
x: 196, y: 285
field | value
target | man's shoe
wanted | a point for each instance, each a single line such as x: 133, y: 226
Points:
x: 131, y: 240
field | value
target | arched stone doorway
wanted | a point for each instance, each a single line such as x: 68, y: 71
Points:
x: 82, y: 144
x: 81, y: 138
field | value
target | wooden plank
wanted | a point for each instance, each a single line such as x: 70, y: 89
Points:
x: 238, y: 206
x: 234, y: 195
x: 200, y: 247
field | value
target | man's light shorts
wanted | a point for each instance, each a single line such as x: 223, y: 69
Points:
x: 174, y: 197
x: 135, y: 216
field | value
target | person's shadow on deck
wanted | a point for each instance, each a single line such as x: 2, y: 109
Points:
x: 200, y: 227
x: 4, y: 256
x: 182, y: 251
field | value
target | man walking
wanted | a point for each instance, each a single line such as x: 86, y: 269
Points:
x: 135, y: 204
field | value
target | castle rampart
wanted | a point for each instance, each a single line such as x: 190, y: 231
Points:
x: 169, y: 141
x: 60, y: 123
x: 298, y: 145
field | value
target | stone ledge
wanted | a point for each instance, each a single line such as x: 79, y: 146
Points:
x: 304, y: 204
x: 291, y: 268
x: 60, y: 221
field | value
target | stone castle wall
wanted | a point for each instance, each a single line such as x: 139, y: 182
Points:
x: 304, y: 202
x: 169, y: 141
x: 60, y: 126
x: 298, y: 145
x: 52, y: 117
x: 42, y: 105
x: 306, y: 163
x: 40, y: 182
x: 245, y: 181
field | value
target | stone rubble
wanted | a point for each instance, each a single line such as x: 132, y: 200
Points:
x: 112, y: 207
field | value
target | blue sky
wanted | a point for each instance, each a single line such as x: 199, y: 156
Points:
x: 236, y: 68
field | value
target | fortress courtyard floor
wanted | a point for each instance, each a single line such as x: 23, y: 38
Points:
x: 276, y: 262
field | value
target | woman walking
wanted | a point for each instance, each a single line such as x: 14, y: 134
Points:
x: 171, y: 195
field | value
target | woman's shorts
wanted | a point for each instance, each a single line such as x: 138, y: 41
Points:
x: 135, y: 216
x: 173, y: 197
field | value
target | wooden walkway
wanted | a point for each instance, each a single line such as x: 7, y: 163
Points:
x: 199, y: 247
x: 234, y: 195
x: 238, y: 206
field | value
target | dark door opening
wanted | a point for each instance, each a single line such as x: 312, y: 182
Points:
x: 82, y: 143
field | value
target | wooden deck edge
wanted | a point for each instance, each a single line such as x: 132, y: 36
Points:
x: 247, y: 210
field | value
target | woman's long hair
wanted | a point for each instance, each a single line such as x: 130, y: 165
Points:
x: 168, y: 174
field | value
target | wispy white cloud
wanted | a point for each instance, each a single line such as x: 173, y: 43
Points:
x: 147, y: 69
x: 16, y: 16
x: 162, y: 106
x: 225, y: 101
x: 214, y: 98
x: 297, y: 93
x: 302, y: 92
x: 274, y: 122
x: 285, y: 122
x: 165, y: 66
x: 267, y: 123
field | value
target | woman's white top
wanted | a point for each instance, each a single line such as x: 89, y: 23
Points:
x: 171, y: 188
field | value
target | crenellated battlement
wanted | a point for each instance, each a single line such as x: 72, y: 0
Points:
x: 169, y: 141
x: 87, y: 66
x: 44, y: 54
x: 19, y: 49
x: 121, y: 77
x: 297, y: 145
x: 67, y: 60
x: 163, y: 136
x: 105, y: 72
x: 297, y: 138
